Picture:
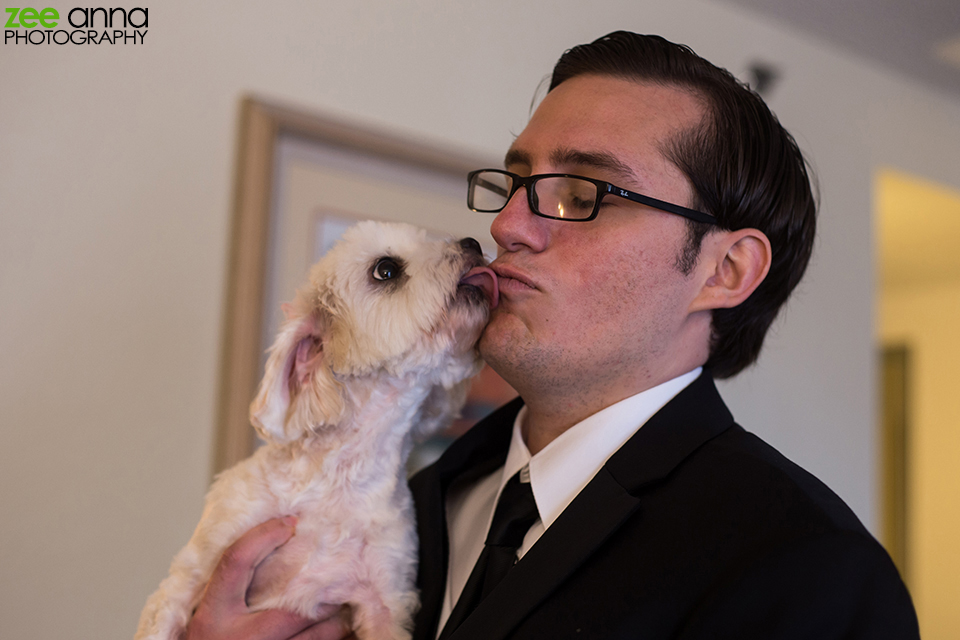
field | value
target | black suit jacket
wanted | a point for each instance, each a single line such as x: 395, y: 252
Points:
x: 693, y: 529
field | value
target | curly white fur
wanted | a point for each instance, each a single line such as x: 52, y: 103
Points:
x: 359, y: 366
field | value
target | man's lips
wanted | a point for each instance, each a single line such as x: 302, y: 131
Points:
x: 486, y: 280
x: 511, y: 279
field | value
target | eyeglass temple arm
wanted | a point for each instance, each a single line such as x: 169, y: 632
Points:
x: 669, y: 207
x: 486, y: 184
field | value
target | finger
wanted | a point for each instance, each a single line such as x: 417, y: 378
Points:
x: 332, y: 622
x: 334, y: 628
x: 275, y: 623
x: 272, y: 624
x: 231, y: 578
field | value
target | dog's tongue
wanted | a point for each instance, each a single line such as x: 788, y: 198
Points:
x: 486, y: 280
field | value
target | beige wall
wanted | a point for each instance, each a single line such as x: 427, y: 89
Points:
x: 927, y: 320
x: 115, y: 183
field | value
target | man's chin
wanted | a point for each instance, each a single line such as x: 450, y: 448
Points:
x: 494, y: 344
x: 503, y: 345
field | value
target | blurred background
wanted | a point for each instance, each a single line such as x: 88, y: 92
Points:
x: 117, y: 175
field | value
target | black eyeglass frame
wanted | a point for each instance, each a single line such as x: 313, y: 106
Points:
x: 603, y: 189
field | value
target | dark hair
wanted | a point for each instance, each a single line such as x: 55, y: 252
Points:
x: 745, y: 168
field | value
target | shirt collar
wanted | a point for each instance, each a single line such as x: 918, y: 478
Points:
x: 564, y: 467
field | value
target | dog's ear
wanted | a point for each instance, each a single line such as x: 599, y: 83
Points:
x: 299, y: 393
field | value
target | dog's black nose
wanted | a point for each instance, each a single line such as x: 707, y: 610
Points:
x: 469, y: 244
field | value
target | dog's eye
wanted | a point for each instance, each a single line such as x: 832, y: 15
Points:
x: 386, y: 269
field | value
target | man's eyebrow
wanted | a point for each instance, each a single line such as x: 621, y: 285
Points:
x: 606, y: 162
x: 515, y: 157
x: 595, y: 160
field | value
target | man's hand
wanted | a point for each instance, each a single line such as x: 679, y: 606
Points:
x: 223, y: 613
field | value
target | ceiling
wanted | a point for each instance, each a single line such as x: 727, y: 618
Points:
x: 917, y: 38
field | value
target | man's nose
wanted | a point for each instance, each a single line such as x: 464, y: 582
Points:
x: 516, y: 226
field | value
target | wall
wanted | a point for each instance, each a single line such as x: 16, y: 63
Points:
x: 115, y: 182
x: 925, y: 319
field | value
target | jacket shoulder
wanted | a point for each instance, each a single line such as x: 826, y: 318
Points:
x: 747, y: 467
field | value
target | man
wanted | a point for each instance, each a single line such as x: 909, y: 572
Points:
x: 646, y: 512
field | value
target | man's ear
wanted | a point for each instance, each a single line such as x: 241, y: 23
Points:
x: 732, y: 265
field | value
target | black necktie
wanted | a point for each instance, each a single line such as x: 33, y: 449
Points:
x: 515, y: 514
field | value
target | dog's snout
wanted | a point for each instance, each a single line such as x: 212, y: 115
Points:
x: 469, y: 244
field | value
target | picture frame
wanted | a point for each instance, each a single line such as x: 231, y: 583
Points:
x: 895, y: 432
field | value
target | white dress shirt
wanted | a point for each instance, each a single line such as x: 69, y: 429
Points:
x: 557, y: 474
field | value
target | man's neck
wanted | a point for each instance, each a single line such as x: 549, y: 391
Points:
x: 541, y: 429
x: 548, y: 417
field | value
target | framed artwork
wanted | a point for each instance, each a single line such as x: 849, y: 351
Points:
x: 895, y: 442
x: 301, y: 180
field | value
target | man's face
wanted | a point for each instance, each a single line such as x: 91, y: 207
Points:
x: 600, y: 306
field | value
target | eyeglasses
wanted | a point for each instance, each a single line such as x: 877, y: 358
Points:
x: 558, y: 196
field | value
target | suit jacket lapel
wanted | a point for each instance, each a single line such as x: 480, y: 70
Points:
x: 694, y: 416
x: 580, y: 529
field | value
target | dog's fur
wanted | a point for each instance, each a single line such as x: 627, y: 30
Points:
x: 360, y: 365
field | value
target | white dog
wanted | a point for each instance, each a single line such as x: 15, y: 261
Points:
x: 377, y: 348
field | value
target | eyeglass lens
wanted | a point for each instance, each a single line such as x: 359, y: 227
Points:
x: 489, y: 191
x: 556, y: 197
